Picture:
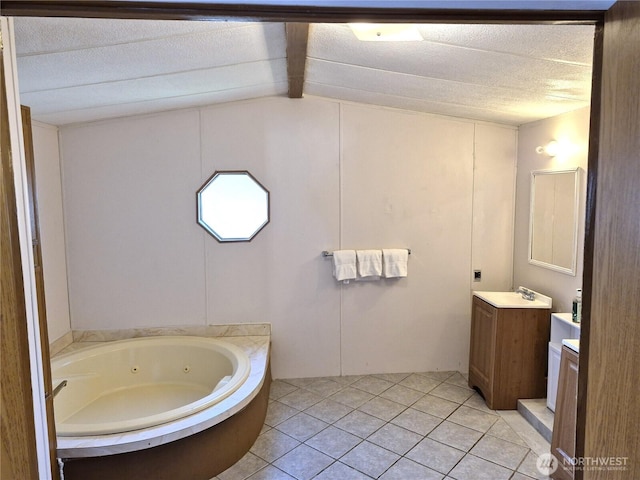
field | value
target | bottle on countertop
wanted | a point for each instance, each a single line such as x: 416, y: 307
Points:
x: 577, y: 307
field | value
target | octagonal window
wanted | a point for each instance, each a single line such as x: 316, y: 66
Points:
x: 233, y: 206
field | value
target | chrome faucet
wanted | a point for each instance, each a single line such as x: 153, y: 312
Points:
x: 526, y: 294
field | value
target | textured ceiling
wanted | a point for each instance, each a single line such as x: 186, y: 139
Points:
x: 78, y: 70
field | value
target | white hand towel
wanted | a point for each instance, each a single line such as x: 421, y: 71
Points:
x: 344, y: 265
x: 369, y: 263
x: 394, y: 262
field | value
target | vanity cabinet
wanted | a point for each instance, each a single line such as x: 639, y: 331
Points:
x: 508, y: 353
x: 563, y: 441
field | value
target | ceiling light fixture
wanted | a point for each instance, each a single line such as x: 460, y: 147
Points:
x: 386, y: 32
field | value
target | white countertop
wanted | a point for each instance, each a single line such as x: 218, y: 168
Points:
x: 514, y: 300
x: 572, y: 343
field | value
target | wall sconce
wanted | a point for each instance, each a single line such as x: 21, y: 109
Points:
x: 551, y: 149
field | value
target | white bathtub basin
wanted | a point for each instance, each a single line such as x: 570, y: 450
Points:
x: 514, y: 300
x: 133, y: 384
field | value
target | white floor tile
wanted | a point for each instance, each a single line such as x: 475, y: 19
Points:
x: 406, y: 426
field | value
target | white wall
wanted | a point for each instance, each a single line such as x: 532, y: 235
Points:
x: 49, y: 195
x: 408, y: 180
x: 494, y: 188
x: 293, y: 148
x: 340, y: 176
x: 572, y: 128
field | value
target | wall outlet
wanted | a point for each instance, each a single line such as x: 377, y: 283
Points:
x: 477, y: 275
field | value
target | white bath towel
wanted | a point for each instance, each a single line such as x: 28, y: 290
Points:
x: 369, y: 263
x: 394, y: 262
x: 344, y: 265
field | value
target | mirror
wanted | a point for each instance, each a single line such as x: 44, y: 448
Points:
x: 553, y: 222
x: 233, y: 206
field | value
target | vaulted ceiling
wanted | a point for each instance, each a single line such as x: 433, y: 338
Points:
x: 77, y: 70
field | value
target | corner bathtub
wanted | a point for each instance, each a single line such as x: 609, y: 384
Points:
x: 134, y: 384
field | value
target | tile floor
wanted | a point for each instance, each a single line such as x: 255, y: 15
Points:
x: 420, y: 426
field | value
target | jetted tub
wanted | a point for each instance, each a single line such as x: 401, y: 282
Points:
x: 134, y: 384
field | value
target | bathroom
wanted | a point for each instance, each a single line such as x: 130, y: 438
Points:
x: 123, y: 250
x: 120, y: 230
x: 138, y: 259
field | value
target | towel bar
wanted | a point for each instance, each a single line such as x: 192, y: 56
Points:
x: 326, y: 253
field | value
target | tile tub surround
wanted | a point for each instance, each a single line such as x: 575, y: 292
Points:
x: 81, y: 337
x: 228, y: 330
x: 57, y: 346
x: 419, y: 426
x: 256, y: 347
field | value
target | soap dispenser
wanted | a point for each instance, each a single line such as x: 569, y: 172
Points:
x: 576, y: 315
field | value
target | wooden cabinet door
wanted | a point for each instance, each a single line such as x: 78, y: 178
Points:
x: 563, y: 441
x: 483, y: 347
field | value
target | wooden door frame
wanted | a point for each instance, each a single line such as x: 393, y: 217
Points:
x: 24, y: 255
x: 279, y: 13
x: 17, y: 457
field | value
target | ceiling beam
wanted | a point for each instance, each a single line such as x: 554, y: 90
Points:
x: 297, y: 39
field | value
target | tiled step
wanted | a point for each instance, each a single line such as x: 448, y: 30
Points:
x: 535, y: 411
